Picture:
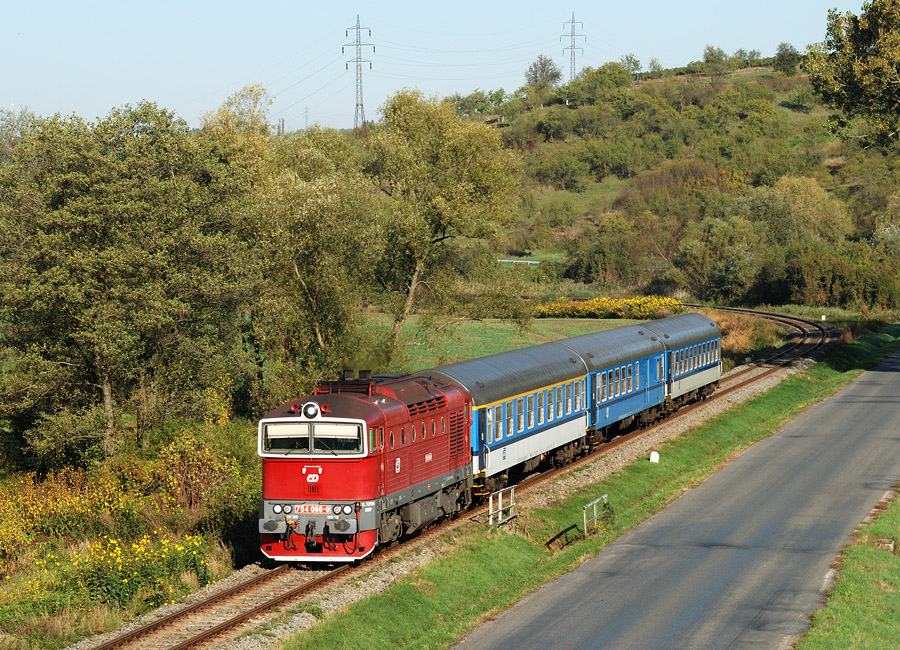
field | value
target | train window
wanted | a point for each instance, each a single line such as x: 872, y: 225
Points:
x: 609, y: 385
x: 489, y: 423
x: 568, y: 398
x: 637, y: 377
x: 577, y: 395
x: 372, y: 438
x: 550, y: 405
x: 520, y: 415
x: 509, y: 419
x: 432, y: 427
x: 442, y: 425
x: 616, y: 382
x: 414, y: 433
x: 286, y: 436
x: 630, y: 378
x: 402, y: 435
x: 392, y: 438
x: 584, y: 388
x: 624, y: 373
x: 559, y: 401
x: 530, y: 411
x: 540, y: 407
x: 336, y: 437
x: 602, y: 397
x: 380, y: 437
x: 498, y: 422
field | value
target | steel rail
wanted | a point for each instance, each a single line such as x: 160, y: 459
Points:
x: 270, y: 604
x: 166, y: 621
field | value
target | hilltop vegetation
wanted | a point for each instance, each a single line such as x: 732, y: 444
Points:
x: 728, y: 186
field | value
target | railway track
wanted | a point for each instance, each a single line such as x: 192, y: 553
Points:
x: 203, y: 623
x: 198, y: 624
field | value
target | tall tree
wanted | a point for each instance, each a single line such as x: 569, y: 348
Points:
x: 443, y: 177
x: 319, y: 239
x: 787, y: 58
x: 120, y: 274
x: 856, y: 69
x: 542, y: 73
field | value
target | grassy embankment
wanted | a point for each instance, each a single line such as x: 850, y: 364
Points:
x: 483, y: 573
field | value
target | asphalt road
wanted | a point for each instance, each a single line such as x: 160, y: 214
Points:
x: 742, y: 560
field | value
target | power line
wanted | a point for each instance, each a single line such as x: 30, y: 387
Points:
x: 572, y: 48
x: 359, y: 116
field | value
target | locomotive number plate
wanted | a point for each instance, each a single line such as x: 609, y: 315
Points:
x: 312, y: 510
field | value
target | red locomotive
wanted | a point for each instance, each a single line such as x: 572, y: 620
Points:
x: 361, y: 462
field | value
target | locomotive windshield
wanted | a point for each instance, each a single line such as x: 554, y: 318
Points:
x: 321, y: 437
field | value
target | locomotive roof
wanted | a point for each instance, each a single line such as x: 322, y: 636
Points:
x: 499, y: 376
x: 341, y: 406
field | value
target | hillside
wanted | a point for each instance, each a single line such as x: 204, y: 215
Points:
x: 728, y: 187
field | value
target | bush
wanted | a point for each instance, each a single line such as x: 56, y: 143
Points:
x: 637, y: 308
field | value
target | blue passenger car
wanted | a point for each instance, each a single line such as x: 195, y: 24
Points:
x: 558, y: 398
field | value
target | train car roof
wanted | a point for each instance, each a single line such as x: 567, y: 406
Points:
x: 500, y: 376
x: 682, y: 330
x: 611, y: 347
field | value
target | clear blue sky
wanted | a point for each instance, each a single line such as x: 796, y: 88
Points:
x: 87, y: 57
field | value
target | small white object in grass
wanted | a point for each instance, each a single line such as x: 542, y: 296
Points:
x: 654, y: 456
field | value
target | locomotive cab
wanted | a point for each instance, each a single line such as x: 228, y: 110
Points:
x: 321, y: 477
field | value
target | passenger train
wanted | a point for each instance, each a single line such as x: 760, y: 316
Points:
x: 366, y: 459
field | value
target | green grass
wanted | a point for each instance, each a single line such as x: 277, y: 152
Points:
x: 438, y: 604
x: 470, y: 339
x: 864, y: 606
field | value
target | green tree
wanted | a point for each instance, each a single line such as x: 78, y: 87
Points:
x: 443, y: 178
x: 712, y: 54
x: 121, y: 273
x: 631, y: 63
x: 857, y: 70
x: 542, y: 73
x: 317, y: 226
x: 787, y: 58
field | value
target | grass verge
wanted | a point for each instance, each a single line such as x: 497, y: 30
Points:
x: 438, y: 604
x: 864, y: 606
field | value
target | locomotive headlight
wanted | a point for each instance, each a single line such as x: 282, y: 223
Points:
x: 347, y: 509
x: 336, y: 510
x: 276, y: 508
x: 310, y: 410
x: 287, y: 508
